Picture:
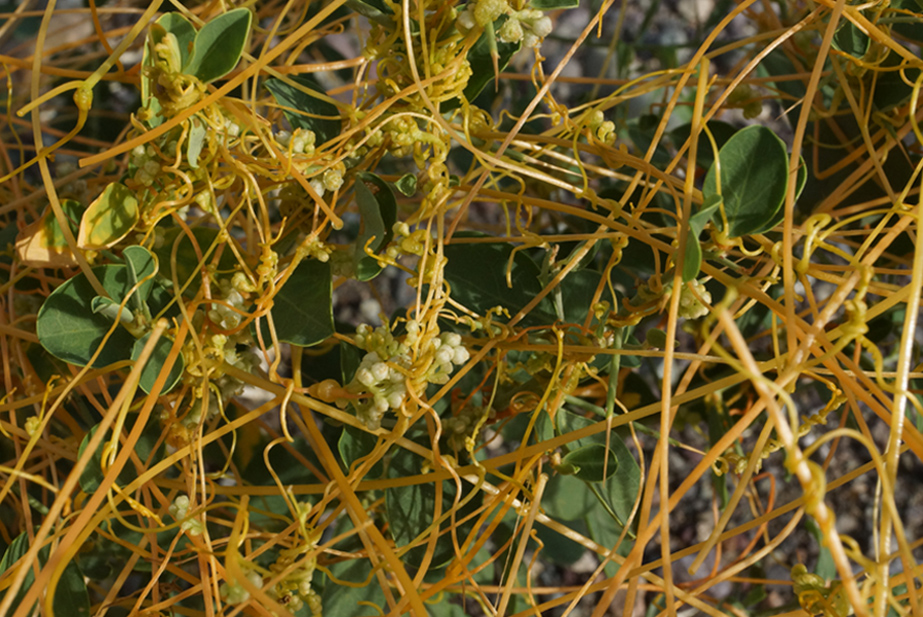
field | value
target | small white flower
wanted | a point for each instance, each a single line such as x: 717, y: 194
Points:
x: 365, y: 377
x: 542, y: 27
x: 395, y: 399
x: 461, y: 356
x: 381, y: 371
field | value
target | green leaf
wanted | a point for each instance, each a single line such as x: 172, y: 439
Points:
x: 354, y: 444
x: 187, y: 260
x: 109, y: 218
x: 219, y: 45
x: 407, y: 185
x: 306, y: 110
x: 850, y: 40
x: 68, y: 329
x: 410, y: 510
x: 155, y: 363
x: 183, y: 30
x: 593, y: 462
x: 622, y: 488
x: 705, y: 155
x: 754, y: 177
x: 551, y: 5
x: 780, y: 215
x: 363, y: 599
x: 141, y: 265
x: 145, y: 449
x: 482, y: 65
x: 692, y: 262
x: 374, y: 10
x: 111, y: 310
x: 577, y: 291
x: 70, y: 597
x: 194, y: 142
x: 476, y: 274
x: 378, y: 209
x: 302, y: 312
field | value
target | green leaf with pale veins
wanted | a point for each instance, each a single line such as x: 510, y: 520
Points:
x: 109, y: 218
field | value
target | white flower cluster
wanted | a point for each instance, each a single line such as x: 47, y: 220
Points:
x: 179, y: 510
x: 301, y: 141
x: 145, y: 159
x: 384, y: 369
x: 222, y: 315
x: 530, y: 26
x: 235, y: 593
x: 459, y: 429
x: 690, y: 307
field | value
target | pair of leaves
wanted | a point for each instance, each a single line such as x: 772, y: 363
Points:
x: 212, y: 52
x: 209, y: 54
x: 74, y: 322
x: 70, y: 597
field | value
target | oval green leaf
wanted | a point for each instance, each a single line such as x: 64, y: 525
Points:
x: 187, y: 259
x: 594, y: 462
x: 93, y: 474
x: 305, y: 110
x: 219, y: 45
x: 754, y: 178
x: 155, y: 364
x: 476, y: 274
x: 109, y: 218
x: 378, y: 209
x: 302, y: 313
x: 142, y: 266
x: 410, y: 512
x: 68, y: 329
x: 70, y: 596
x: 692, y: 262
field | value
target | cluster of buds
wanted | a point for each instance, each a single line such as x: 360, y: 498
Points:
x: 294, y: 589
x: 148, y: 164
x: 603, y: 129
x: 693, y: 300
x: 301, y: 141
x: 743, y: 97
x: 179, y: 510
x: 529, y: 26
x: 235, y: 593
x: 459, y: 429
x: 381, y: 381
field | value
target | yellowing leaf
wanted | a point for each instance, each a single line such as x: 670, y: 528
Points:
x: 109, y: 218
x: 42, y: 244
